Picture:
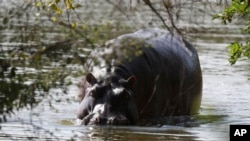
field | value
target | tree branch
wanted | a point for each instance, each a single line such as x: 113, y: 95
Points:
x: 148, y: 3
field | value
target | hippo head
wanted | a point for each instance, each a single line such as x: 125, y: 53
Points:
x: 108, y: 101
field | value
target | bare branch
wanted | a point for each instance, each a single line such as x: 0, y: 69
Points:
x: 148, y: 3
x: 118, y: 8
x: 167, y: 5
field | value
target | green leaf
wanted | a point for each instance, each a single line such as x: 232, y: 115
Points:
x: 84, y: 27
x: 38, y: 4
x: 55, y: 7
x: 73, y: 25
x: 54, y: 19
x: 235, y: 51
x: 69, y: 4
x: 5, y: 20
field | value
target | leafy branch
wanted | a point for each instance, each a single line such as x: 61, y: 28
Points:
x: 237, y: 9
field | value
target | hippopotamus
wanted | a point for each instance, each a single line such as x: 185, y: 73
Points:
x: 148, y: 74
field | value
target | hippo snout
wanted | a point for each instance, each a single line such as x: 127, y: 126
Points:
x: 102, y: 116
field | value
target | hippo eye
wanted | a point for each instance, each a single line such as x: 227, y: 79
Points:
x: 97, y: 92
x: 93, y: 93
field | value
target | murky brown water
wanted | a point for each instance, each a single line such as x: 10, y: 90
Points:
x: 225, y: 101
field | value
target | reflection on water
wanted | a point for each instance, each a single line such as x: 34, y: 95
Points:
x: 225, y: 101
x: 138, y: 133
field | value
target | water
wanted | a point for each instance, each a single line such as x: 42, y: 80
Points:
x: 225, y: 101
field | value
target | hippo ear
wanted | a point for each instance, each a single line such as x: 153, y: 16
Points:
x: 91, y: 79
x: 131, y: 81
